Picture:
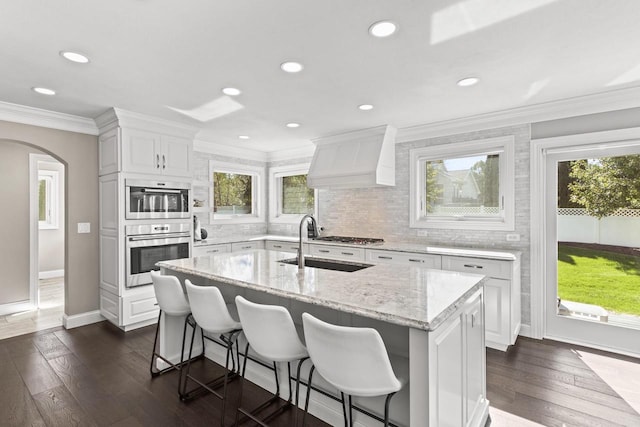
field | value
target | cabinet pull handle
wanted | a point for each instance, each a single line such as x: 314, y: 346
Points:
x: 384, y: 257
x: 415, y: 260
x: 473, y: 320
x: 157, y: 161
x: 473, y: 266
x: 346, y: 253
x: 164, y: 162
x: 277, y: 246
x: 246, y: 247
x: 324, y: 251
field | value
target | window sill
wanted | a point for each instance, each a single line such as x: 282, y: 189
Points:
x: 465, y: 224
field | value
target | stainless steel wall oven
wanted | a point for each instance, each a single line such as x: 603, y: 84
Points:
x: 156, y: 199
x: 147, y: 244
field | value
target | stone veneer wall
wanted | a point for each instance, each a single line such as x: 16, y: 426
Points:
x: 384, y: 212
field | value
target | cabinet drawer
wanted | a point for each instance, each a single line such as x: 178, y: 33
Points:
x: 277, y: 245
x: 403, y: 258
x: 488, y: 267
x: 337, y: 252
x: 139, y: 308
x: 243, y: 246
x: 210, y: 250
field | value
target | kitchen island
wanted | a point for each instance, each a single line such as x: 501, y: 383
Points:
x: 431, y: 322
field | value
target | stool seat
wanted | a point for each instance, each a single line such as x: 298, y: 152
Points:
x: 272, y: 335
x: 353, y: 360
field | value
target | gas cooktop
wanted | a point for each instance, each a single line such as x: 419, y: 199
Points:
x: 350, y: 240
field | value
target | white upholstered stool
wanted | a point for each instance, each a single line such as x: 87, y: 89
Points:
x: 212, y: 315
x: 172, y: 301
x: 271, y: 334
x: 353, y: 360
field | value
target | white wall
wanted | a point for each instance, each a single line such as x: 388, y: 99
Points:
x: 51, y: 241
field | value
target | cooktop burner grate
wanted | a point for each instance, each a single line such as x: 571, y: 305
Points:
x: 351, y: 240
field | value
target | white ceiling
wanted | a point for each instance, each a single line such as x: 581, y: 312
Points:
x: 149, y: 55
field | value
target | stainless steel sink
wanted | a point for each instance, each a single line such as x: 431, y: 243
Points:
x: 328, y: 264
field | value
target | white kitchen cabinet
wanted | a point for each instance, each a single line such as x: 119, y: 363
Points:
x: 243, y: 246
x: 474, y: 360
x: 282, y: 246
x: 403, y: 258
x: 152, y: 153
x: 137, y: 308
x: 337, y: 252
x: 502, y: 296
x: 210, y: 250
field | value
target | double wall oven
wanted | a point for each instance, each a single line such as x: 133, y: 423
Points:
x: 147, y: 241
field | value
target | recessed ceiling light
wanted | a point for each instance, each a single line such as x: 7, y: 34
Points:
x: 44, y: 90
x: 75, y: 57
x: 243, y: 137
x: 291, y: 67
x: 293, y: 125
x: 231, y: 91
x: 365, y: 107
x: 382, y: 29
x: 468, y: 81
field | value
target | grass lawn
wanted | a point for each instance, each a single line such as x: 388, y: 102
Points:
x: 607, y: 279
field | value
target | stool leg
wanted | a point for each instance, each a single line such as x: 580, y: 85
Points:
x: 290, y: 388
x: 244, y: 370
x: 306, y: 403
x: 275, y: 371
x: 183, y: 383
x: 386, y: 409
x: 300, y: 362
x: 343, y: 402
x: 350, y: 412
x: 155, y: 343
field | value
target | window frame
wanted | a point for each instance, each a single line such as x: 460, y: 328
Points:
x: 504, y: 146
x: 257, y: 198
x: 52, y: 202
x: 276, y: 174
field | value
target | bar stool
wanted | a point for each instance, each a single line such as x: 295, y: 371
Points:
x: 172, y: 302
x: 271, y: 334
x: 353, y: 360
x: 210, y: 312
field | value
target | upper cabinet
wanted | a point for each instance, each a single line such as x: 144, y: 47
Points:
x: 130, y: 142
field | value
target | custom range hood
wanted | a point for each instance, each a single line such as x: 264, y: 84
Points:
x: 364, y: 158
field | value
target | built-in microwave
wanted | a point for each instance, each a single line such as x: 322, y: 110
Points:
x: 156, y: 199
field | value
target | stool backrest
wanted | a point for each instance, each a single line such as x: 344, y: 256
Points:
x: 354, y: 360
x: 209, y: 308
x: 170, y: 295
x: 270, y: 330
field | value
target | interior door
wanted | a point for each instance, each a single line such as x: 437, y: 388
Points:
x: 589, y: 258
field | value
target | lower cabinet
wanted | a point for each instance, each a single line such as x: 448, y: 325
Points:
x: 136, y: 308
x: 337, y: 252
x: 210, y: 250
x: 282, y: 246
x: 404, y: 258
x: 457, y: 368
x: 243, y: 246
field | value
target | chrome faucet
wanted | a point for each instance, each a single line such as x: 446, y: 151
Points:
x: 303, y: 221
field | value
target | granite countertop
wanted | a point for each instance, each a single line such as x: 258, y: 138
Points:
x: 405, y: 295
x: 497, y: 254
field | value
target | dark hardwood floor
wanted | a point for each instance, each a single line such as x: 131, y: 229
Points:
x: 98, y: 376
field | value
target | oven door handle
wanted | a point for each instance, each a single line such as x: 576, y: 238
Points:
x: 163, y: 191
x: 159, y: 237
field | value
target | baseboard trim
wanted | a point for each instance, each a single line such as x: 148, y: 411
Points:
x: 16, y: 307
x: 525, y: 331
x: 82, y: 319
x: 50, y: 274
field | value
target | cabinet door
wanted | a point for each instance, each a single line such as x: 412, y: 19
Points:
x: 243, y: 246
x: 497, y: 313
x: 403, y: 258
x: 474, y: 359
x: 210, y: 250
x: 337, y: 252
x: 175, y: 156
x: 277, y: 245
x: 446, y: 399
x: 140, y: 151
x: 109, y: 152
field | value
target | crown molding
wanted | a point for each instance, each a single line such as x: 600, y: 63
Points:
x: 228, y: 151
x: 118, y: 117
x: 45, y: 118
x: 291, y: 154
x: 578, y: 106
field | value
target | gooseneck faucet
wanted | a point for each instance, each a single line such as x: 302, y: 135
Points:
x: 303, y: 221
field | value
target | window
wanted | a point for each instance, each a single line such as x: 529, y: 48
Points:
x: 289, y: 195
x: 48, y: 199
x: 236, y: 193
x: 464, y: 186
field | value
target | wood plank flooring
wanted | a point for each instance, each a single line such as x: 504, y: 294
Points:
x: 98, y: 376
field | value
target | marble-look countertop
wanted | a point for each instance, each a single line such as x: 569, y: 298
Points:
x: 496, y: 254
x: 405, y: 295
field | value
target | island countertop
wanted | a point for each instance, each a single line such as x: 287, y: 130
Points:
x: 405, y: 295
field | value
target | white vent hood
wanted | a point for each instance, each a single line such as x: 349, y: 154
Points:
x: 364, y: 158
